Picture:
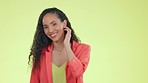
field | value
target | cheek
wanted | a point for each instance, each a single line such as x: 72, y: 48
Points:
x: 45, y: 31
x: 60, y: 32
x: 61, y: 26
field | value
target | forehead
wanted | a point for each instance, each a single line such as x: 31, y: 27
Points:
x: 50, y: 17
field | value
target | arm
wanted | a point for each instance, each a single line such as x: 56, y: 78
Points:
x: 78, y: 65
x: 35, y: 76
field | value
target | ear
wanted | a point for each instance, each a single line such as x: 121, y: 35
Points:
x: 65, y: 23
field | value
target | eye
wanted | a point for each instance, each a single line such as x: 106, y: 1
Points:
x: 54, y: 24
x: 44, y: 27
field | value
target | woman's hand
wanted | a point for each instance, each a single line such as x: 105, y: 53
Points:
x: 70, y: 54
x: 67, y: 36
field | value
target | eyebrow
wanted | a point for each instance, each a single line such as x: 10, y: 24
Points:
x: 50, y: 23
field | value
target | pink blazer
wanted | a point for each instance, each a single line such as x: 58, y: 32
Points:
x: 74, y: 68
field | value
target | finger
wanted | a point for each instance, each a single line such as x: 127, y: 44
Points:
x: 67, y: 29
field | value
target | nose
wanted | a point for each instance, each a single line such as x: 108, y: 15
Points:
x: 50, y: 29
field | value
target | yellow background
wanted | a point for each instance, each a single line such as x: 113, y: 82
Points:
x: 117, y: 31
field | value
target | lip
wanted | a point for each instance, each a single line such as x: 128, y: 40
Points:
x: 53, y: 35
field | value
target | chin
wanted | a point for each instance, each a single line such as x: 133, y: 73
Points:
x: 55, y: 40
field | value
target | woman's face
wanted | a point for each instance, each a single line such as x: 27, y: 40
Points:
x: 53, y: 27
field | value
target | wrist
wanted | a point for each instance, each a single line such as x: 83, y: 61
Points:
x: 67, y: 45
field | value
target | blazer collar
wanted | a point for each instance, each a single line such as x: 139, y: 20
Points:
x: 50, y: 47
x: 74, y: 46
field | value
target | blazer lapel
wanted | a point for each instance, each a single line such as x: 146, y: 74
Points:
x: 49, y: 63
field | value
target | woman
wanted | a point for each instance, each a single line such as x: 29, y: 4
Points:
x: 56, y: 54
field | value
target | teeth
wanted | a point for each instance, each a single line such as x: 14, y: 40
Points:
x: 52, y: 35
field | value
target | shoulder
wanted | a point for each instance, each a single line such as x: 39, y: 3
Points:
x: 80, y: 46
x: 83, y: 45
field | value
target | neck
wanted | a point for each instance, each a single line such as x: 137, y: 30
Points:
x: 58, y: 45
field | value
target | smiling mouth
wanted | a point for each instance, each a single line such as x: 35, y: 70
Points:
x: 53, y: 35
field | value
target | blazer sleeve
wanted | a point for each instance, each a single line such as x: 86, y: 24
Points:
x: 79, y: 64
x: 35, y: 75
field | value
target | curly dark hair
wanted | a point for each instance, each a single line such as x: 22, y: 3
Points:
x: 41, y: 41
